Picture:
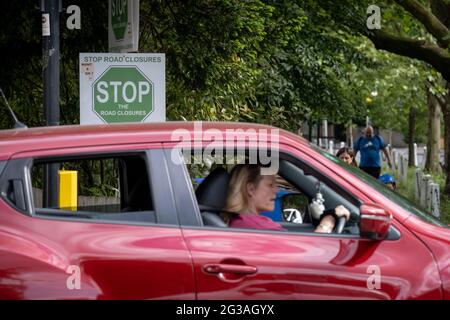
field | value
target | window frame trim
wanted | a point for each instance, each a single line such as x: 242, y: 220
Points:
x: 179, y: 175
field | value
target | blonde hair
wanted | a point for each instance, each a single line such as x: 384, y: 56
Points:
x: 237, y: 199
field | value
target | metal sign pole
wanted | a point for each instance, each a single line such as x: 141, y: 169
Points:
x: 50, y: 69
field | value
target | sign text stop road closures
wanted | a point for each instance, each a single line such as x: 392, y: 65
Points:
x: 116, y: 87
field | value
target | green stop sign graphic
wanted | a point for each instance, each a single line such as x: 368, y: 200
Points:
x: 123, y: 94
x: 119, y: 17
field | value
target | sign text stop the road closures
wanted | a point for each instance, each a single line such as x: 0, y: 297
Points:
x: 117, y: 87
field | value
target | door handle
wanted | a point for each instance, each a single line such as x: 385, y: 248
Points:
x: 229, y: 268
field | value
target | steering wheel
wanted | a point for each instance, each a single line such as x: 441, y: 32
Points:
x: 340, y: 224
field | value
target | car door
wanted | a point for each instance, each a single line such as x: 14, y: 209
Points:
x: 262, y: 264
x: 246, y: 264
x: 46, y: 254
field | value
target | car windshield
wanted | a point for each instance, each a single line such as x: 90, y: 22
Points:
x: 380, y: 187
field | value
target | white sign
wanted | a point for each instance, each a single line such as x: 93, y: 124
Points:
x: 45, y: 24
x: 123, y: 25
x: 122, y: 87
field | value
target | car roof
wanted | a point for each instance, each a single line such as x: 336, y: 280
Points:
x: 31, y: 139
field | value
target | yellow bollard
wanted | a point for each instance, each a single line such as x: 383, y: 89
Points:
x: 68, y: 189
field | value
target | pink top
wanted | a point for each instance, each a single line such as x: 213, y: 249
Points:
x: 254, y: 221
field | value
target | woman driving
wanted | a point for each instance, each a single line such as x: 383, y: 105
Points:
x: 250, y: 193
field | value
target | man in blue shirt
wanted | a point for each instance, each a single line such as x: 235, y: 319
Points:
x: 369, y: 146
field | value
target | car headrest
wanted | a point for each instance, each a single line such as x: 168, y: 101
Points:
x: 212, y: 192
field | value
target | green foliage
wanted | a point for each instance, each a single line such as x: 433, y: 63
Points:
x: 21, y: 73
x: 390, y: 93
x: 211, y: 48
x: 276, y: 62
x: 230, y: 60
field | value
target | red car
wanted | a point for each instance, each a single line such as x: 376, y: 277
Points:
x: 142, y: 230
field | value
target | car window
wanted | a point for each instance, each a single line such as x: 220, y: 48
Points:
x: 294, y: 207
x: 295, y: 192
x: 101, y: 187
x: 199, y: 171
x: 381, y: 188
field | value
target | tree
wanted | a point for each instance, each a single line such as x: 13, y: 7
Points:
x: 276, y: 62
x: 434, y: 129
x: 21, y: 77
x: 254, y: 61
x: 433, y: 48
x: 434, y: 54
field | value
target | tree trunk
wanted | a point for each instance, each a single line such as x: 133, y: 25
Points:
x: 446, y: 111
x: 318, y: 134
x: 350, y: 136
x: 434, y: 133
x: 411, y: 136
x: 310, y: 129
x: 300, y: 129
x: 102, y: 172
x: 441, y: 10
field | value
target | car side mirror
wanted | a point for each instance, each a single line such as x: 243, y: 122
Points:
x: 374, y: 222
